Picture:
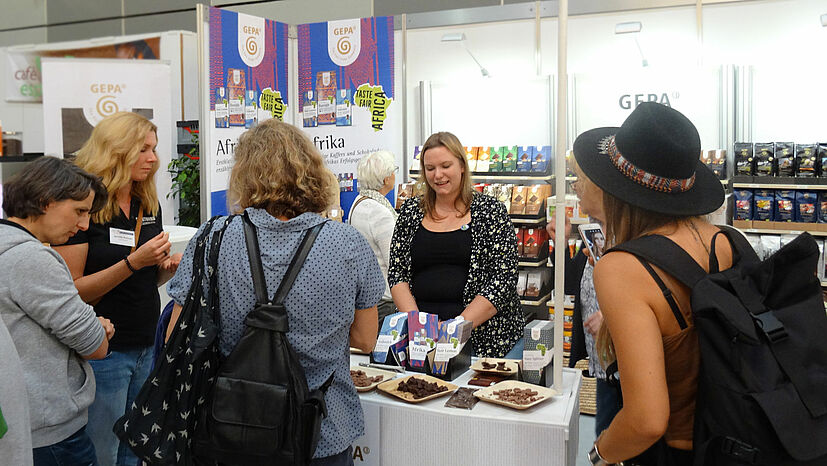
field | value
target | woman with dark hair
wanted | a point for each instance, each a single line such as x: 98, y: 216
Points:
x: 281, y: 182
x: 651, y: 182
x: 54, y: 332
x: 118, y: 264
x: 454, y: 253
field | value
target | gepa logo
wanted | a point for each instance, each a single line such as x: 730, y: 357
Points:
x: 250, y: 39
x: 344, y: 41
x: 107, y: 101
x: 629, y: 101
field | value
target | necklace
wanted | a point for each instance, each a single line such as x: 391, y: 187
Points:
x: 698, y: 235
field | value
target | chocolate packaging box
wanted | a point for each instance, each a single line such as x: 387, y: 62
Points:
x: 454, y: 335
x: 537, y: 353
x: 423, y: 331
x: 392, y: 343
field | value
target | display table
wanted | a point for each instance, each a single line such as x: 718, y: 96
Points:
x: 399, y: 433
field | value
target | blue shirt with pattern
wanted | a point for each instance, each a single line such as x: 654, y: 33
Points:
x: 341, y: 274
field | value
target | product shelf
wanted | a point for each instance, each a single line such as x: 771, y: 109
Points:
x: 539, y: 302
x: 526, y: 176
x: 779, y: 186
x: 542, y: 263
x: 782, y: 232
x: 528, y: 221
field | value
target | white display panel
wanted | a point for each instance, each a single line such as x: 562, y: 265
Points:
x: 606, y: 99
x: 494, y: 112
x: 788, y: 103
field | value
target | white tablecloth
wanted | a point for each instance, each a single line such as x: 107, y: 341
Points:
x: 428, y: 433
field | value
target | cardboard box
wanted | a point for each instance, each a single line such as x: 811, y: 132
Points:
x: 534, y: 284
x: 471, y: 156
x: 520, y: 234
x: 483, y: 159
x: 454, y: 336
x: 392, y: 343
x: 518, y: 200
x: 509, y: 156
x: 496, y: 160
x: 522, y: 276
x: 538, y: 337
x: 534, y: 200
x: 532, y: 243
x: 541, y: 159
x: 524, y: 157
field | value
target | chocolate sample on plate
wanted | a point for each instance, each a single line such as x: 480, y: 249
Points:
x: 360, y: 379
x: 420, y: 388
x: 520, y: 396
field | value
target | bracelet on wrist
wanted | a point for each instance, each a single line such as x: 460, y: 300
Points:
x: 597, y: 460
x: 129, y: 266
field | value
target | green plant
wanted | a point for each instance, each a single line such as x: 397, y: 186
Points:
x: 186, y: 184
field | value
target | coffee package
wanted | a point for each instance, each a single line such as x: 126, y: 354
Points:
x: 805, y: 206
x: 518, y: 200
x: 821, y: 207
x: 805, y: 160
x: 483, y: 159
x: 326, y: 97
x: 393, y: 339
x: 520, y: 235
x: 344, y: 102
x: 471, y: 156
x: 236, y: 90
x: 423, y: 331
x: 743, y: 204
x: 744, y: 160
x: 525, y: 154
x: 309, y: 110
x: 537, y: 194
x: 541, y: 159
x: 454, y: 334
x: 522, y: 276
x: 785, y: 158
x: 509, y: 156
x: 765, y: 159
x: 716, y: 161
x: 821, y: 159
x: 538, y: 337
x: 763, y: 202
x: 784, y: 205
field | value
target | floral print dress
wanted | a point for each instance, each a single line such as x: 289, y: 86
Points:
x: 492, y: 273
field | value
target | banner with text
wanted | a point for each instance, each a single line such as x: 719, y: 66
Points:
x: 78, y: 93
x: 346, y: 101
x: 23, y: 73
x: 248, y: 83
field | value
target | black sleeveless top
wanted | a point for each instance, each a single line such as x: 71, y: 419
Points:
x: 439, y: 270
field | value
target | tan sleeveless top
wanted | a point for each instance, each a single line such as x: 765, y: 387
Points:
x: 682, y: 358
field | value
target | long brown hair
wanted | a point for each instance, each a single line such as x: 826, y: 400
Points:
x: 466, y: 190
x: 625, y: 222
x: 110, y: 152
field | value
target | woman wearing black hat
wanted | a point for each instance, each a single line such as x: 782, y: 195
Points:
x: 653, y: 183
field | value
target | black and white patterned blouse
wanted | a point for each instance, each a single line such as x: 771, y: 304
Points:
x: 492, y: 273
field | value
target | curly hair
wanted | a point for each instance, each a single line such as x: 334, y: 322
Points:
x: 278, y: 169
x: 466, y: 193
x: 110, y: 152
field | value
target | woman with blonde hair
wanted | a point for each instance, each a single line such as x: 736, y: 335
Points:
x: 117, y: 265
x: 454, y: 253
x: 280, y: 182
x: 650, y: 182
x: 374, y: 216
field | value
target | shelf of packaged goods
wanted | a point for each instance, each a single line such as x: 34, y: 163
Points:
x: 779, y: 186
x: 526, y: 176
x: 782, y: 232
x: 542, y: 263
x: 539, y: 302
x: 529, y: 221
x: 20, y: 158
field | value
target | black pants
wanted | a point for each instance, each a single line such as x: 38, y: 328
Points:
x: 661, y: 454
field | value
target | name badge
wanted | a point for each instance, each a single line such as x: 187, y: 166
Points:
x: 122, y: 237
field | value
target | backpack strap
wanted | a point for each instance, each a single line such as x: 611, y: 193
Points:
x: 666, y: 254
x: 296, y: 264
x: 253, y: 254
x: 667, y: 293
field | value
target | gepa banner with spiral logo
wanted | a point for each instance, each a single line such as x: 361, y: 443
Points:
x: 248, y: 84
x: 347, y: 100
x: 79, y: 92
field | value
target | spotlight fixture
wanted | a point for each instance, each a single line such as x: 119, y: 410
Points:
x: 634, y: 28
x: 460, y: 37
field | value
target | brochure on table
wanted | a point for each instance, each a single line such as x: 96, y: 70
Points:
x: 347, y: 98
x: 79, y: 92
x: 247, y: 59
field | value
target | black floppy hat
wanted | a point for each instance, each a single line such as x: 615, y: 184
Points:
x: 652, y: 161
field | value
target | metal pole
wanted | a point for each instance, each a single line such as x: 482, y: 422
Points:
x: 203, y: 27
x: 404, y: 99
x: 560, y: 246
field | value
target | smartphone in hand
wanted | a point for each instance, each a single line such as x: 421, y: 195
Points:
x: 593, y: 238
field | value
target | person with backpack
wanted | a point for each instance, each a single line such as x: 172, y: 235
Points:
x: 650, y: 181
x: 281, y: 184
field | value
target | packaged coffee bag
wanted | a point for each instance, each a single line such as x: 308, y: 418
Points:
x: 784, y: 205
x: 805, y: 160
x: 805, y: 206
x: 821, y: 159
x: 765, y: 159
x: 764, y: 200
x: 785, y: 158
x: 821, y: 207
x: 744, y: 161
x: 743, y: 204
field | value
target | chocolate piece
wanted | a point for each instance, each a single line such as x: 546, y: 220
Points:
x: 487, y: 365
x: 360, y: 379
x: 520, y: 396
x: 420, y: 388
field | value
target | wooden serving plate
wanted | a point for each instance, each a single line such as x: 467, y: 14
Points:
x: 373, y: 372
x: 511, y: 365
x: 487, y: 393
x: 391, y: 387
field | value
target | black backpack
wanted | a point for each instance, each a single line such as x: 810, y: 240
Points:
x: 260, y: 410
x: 762, y: 331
